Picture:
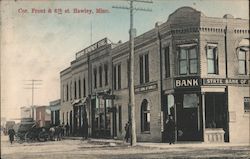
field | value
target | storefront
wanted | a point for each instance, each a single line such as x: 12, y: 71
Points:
x: 80, y: 117
x: 200, y: 108
x: 102, y: 115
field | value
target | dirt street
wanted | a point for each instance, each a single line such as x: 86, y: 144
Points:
x: 83, y: 149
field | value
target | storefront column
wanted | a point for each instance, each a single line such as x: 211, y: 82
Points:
x: 203, y: 114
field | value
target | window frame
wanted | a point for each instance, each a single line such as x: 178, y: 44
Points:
x: 214, y: 59
x: 167, y: 61
x: 242, y: 60
x: 188, y: 59
x: 145, y: 116
x: 144, y: 75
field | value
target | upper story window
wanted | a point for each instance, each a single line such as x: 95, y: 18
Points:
x: 75, y: 89
x: 167, y: 62
x: 212, y: 59
x: 84, y: 87
x: 117, y: 76
x: 144, y: 68
x: 79, y: 88
x: 71, y: 90
x: 106, y: 74
x: 95, y: 78
x: 188, y: 60
x: 67, y: 92
x: 100, y: 76
x: 242, y: 62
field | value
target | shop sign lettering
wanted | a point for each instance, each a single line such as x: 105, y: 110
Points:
x: 92, y: 47
x: 220, y: 81
x: 146, y: 88
x: 186, y: 83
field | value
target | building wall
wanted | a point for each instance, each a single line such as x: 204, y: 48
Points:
x: 238, y: 119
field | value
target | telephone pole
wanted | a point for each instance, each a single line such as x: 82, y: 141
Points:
x: 132, y: 31
x: 32, y: 83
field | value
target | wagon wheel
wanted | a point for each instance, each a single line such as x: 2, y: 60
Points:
x: 28, y: 136
x: 43, y: 136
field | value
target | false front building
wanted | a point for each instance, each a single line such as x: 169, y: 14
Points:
x: 192, y: 67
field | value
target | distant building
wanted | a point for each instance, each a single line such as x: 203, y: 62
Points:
x: 43, y: 115
x: 55, y: 111
x: 28, y: 112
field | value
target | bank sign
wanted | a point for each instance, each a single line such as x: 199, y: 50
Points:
x: 196, y: 82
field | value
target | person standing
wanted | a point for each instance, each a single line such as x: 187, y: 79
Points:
x: 170, y: 127
x: 67, y: 129
x: 11, y: 133
x: 127, y: 131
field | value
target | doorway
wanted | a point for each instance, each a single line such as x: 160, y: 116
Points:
x: 216, y: 112
x: 187, y: 117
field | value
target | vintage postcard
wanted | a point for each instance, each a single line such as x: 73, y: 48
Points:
x: 125, y: 79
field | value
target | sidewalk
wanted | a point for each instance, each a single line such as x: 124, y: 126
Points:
x: 114, y: 142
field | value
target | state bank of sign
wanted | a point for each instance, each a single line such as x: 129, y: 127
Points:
x: 195, y: 71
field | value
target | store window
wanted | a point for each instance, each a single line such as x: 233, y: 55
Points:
x: 212, y: 59
x: 242, y: 62
x: 188, y: 60
x: 247, y: 104
x: 145, y: 116
x: 190, y: 101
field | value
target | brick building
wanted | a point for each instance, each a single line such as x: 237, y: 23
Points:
x: 192, y: 67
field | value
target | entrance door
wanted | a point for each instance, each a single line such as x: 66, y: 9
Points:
x: 216, y: 112
x: 187, y: 117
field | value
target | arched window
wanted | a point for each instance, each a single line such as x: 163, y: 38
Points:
x: 145, y: 116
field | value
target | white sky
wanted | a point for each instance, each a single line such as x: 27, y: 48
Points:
x: 39, y: 46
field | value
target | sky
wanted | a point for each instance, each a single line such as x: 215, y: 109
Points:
x: 40, y: 45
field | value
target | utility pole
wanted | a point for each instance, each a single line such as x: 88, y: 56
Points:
x: 132, y: 30
x: 33, y: 83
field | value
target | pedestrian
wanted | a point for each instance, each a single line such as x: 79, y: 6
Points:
x: 170, y: 129
x: 127, y: 131
x: 52, y: 133
x: 67, y: 129
x: 11, y: 133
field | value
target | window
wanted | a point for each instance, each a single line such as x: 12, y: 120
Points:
x: 67, y: 92
x: 95, y: 78
x: 247, y: 104
x: 75, y: 89
x: 63, y: 98
x: 117, y: 76
x: 84, y: 87
x: 212, y: 59
x: 190, y: 101
x: 128, y: 70
x: 114, y: 76
x: 167, y: 63
x: 100, y: 76
x: 188, y: 62
x: 145, y: 116
x: 79, y: 88
x: 144, y: 68
x: 70, y: 90
x: 242, y: 62
x: 106, y: 74
x: 120, y: 118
